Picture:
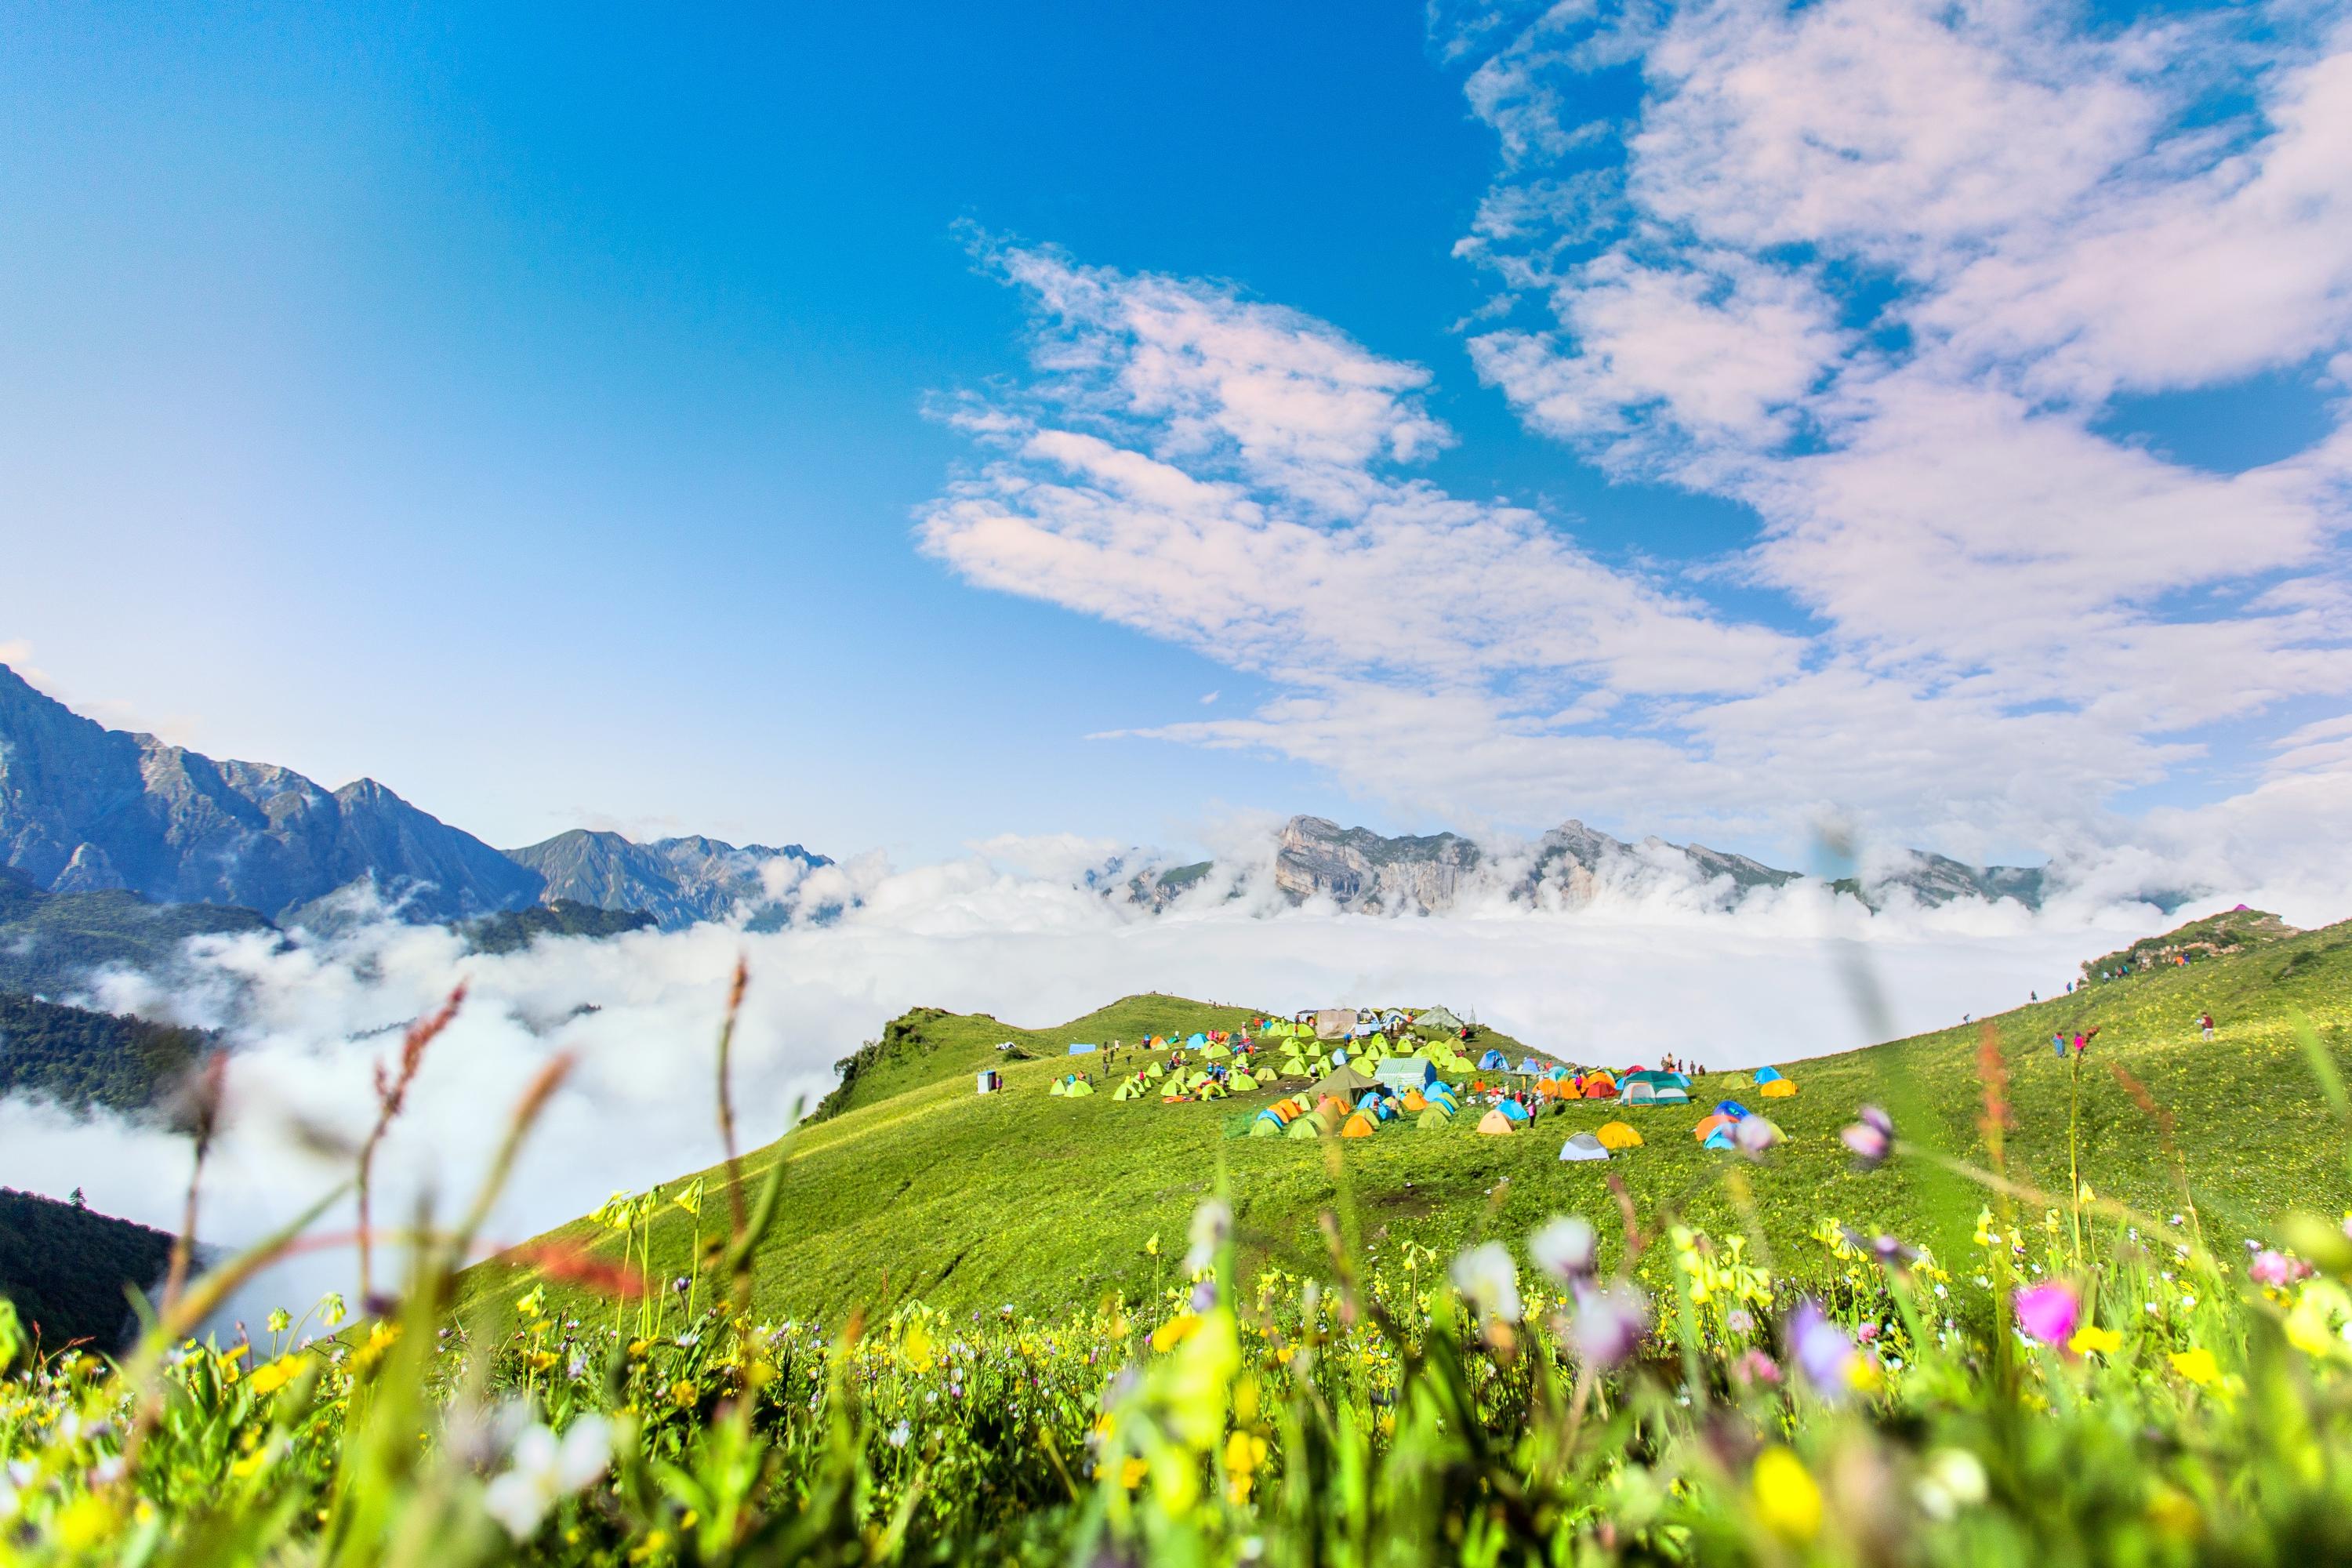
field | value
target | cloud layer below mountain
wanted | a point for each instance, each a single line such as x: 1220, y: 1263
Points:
x: 1004, y: 930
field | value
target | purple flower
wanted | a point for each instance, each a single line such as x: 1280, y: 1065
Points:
x: 2048, y: 1312
x: 1820, y: 1349
x: 1872, y: 1138
x: 1754, y: 1135
x: 1609, y: 1323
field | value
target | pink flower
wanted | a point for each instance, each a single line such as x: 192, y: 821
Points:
x: 2276, y: 1269
x: 2048, y: 1312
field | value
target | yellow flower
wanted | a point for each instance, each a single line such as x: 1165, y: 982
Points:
x: 85, y: 1523
x: 681, y: 1394
x: 2090, y: 1339
x: 2198, y: 1366
x: 1174, y: 1332
x: 1787, y: 1499
x: 1131, y: 1472
x: 2173, y: 1511
x: 268, y: 1380
x: 915, y: 1346
x: 1151, y: 1247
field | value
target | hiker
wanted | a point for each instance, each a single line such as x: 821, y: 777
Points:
x: 2058, y: 1044
x: 2033, y: 997
x: 2205, y: 1022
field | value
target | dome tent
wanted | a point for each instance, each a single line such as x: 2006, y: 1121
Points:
x: 1495, y: 1124
x: 1779, y: 1089
x: 1436, y: 1117
x: 1358, y: 1126
x: 1584, y: 1146
x: 1494, y: 1061
x: 1618, y: 1135
x: 1767, y: 1075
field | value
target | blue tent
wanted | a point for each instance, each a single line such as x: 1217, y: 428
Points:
x: 1339, y: 1057
x: 1768, y: 1074
x: 1441, y: 1093
x: 1718, y: 1139
x: 1368, y: 1100
x: 1196, y: 1039
x: 1514, y: 1109
x: 1082, y: 1050
x: 1494, y: 1061
x: 1730, y: 1108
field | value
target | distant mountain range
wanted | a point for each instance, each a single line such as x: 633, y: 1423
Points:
x: 84, y: 809
x: 1358, y: 869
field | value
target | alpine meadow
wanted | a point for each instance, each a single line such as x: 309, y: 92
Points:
x: 1495, y: 782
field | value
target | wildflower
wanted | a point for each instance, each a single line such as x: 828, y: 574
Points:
x: 2091, y: 1339
x: 279, y: 1320
x: 1565, y: 1249
x: 1488, y: 1281
x: 2048, y: 1312
x: 1754, y: 1135
x: 2198, y: 1366
x: 1212, y: 1223
x: 268, y: 1379
x: 2276, y: 1269
x: 331, y: 1309
x: 1787, y: 1500
x: 547, y: 1469
x: 1151, y: 1246
x: 1821, y: 1351
x: 1609, y: 1323
x: 1872, y: 1138
x: 1955, y: 1479
x: 899, y: 1433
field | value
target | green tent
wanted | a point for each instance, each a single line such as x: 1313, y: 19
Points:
x: 1346, y: 1081
x: 1242, y: 1082
x: 1267, y: 1127
x: 1079, y: 1089
x: 1306, y: 1126
x: 1436, y: 1116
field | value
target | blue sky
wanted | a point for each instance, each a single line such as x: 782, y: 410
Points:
x: 573, y: 419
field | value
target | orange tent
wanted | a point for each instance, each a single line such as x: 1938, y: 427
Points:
x: 1700, y: 1131
x: 1569, y: 1090
x: 1412, y: 1102
x: 1358, y: 1126
x: 1495, y: 1123
x: 1600, y: 1086
x: 1333, y: 1103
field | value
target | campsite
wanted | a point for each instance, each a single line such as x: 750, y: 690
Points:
x: 962, y: 1202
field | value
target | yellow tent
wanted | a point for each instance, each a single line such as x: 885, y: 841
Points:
x: 1778, y: 1089
x: 1614, y: 1136
x: 1496, y: 1124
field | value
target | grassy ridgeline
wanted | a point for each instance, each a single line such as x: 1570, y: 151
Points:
x: 913, y: 1188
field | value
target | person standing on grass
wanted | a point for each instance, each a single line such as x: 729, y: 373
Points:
x: 2058, y: 1044
x: 2205, y: 1022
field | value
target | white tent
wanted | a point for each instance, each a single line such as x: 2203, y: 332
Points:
x: 1584, y: 1146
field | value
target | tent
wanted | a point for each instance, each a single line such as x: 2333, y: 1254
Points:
x: 1413, y: 1102
x: 1195, y: 1040
x: 1345, y: 1081
x: 1334, y: 1022
x: 1080, y: 1087
x: 1080, y: 1051
x: 1618, y: 1135
x: 1779, y: 1089
x: 1213, y: 1090
x: 1268, y: 1126
x: 1720, y: 1139
x: 1730, y: 1108
x: 1710, y: 1126
x: 1672, y: 1094
x: 1394, y: 1020
x: 1441, y: 1093
x: 1378, y: 1042
x: 1600, y: 1086
x: 1059, y: 1086
x: 1436, y: 1117
x: 1638, y: 1091
x: 1242, y: 1082
x: 1404, y: 1072
x: 1439, y: 1018
x: 1584, y: 1146
x: 1514, y: 1109
x: 1304, y: 1127
x: 1340, y: 1054
x: 1532, y: 1067
x: 1358, y: 1126
x: 1174, y: 1092
x: 1496, y: 1124
x: 1217, y: 1053
x: 1494, y: 1061
x: 1768, y: 1074
x: 1131, y: 1090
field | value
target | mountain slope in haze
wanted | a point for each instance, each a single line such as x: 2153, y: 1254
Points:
x: 81, y: 1058
x: 677, y: 881
x: 51, y: 943
x: 69, y: 1270
x: 920, y: 1190
x: 84, y: 809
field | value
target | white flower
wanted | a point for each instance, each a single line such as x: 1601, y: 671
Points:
x: 1212, y: 1223
x: 546, y: 1470
x: 899, y: 1433
x: 1488, y: 1280
x: 1566, y: 1249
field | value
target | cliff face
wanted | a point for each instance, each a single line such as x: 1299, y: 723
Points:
x: 1358, y: 869
x: 87, y: 809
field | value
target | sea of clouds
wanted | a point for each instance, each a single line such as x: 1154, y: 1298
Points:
x: 1012, y: 929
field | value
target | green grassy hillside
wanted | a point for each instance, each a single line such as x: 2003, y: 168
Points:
x: 916, y: 1188
x: 68, y: 1268
x: 50, y: 942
